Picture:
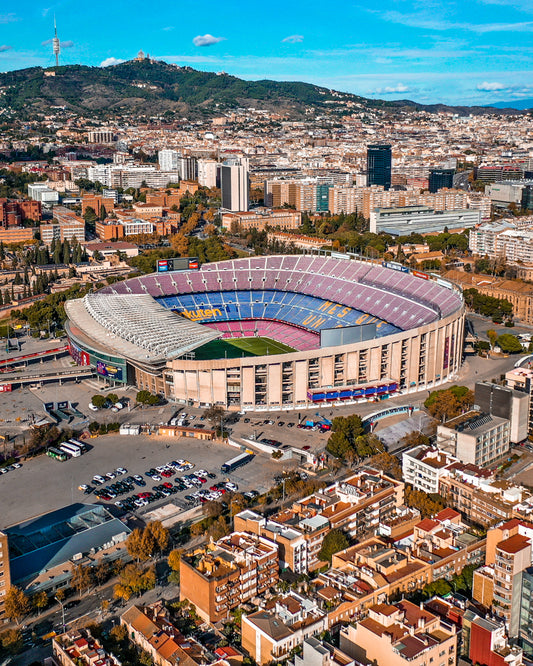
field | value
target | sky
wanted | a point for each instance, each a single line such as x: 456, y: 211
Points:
x: 468, y: 52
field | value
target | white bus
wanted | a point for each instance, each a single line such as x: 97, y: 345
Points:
x: 81, y: 446
x: 71, y: 449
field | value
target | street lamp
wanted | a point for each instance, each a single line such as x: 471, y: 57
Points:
x: 62, y: 612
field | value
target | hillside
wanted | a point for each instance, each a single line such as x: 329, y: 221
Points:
x: 153, y: 88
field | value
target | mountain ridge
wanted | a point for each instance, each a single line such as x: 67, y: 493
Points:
x: 155, y: 87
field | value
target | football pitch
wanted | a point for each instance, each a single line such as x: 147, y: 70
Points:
x: 260, y: 346
x: 238, y: 347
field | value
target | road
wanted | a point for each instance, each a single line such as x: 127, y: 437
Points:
x: 460, y: 180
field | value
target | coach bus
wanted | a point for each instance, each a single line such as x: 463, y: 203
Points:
x: 56, y: 454
x: 72, y: 450
x: 81, y: 446
x: 238, y: 461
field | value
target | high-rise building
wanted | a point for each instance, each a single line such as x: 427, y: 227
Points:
x: 188, y: 168
x: 379, y: 165
x: 168, y: 160
x: 207, y: 173
x: 234, y: 181
x: 522, y: 613
x: 527, y: 198
x: 439, y: 178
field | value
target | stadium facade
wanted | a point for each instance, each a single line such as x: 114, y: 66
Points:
x: 355, y: 330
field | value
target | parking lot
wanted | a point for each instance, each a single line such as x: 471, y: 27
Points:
x: 44, y: 484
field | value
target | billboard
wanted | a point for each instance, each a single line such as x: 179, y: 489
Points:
x: 5, y: 388
x: 395, y: 266
x: 418, y: 274
x: 177, y: 264
x: 346, y: 335
x: 108, y: 370
x: 81, y: 357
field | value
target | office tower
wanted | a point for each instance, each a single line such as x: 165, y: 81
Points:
x: 379, y: 165
x: 527, y: 198
x: 168, y: 160
x: 439, y: 178
x: 234, y: 182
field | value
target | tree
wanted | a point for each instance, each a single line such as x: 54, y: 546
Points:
x: 159, y: 534
x: 81, y: 578
x: 136, y: 546
x: 334, y: 541
x: 137, y: 579
x: 40, y: 601
x: 387, y: 463
x: 146, y: 398
x: 492, y: 336
x: 428, y: 505
x: 122, y: 592
x: 12, y: 641
x: 447, y: 403
x: 16, y: 604
x: 214, y: 415
x: 509, y: 344
x: 218, y: 529
x: 112, y: 397
x: 99, y: 400
x: 174, y: 559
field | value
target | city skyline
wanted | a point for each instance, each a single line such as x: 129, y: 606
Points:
x: 478, y: 52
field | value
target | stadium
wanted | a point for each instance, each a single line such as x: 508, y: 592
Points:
x: 274, y: 332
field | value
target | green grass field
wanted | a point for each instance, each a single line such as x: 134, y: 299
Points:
x: 238, y: 347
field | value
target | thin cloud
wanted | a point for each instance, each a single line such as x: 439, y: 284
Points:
x: 431, y: 23
x: 168, y: 28
x: 491, y: 86
x: 293, y: 39
x: 5, y: 47
x: 389, y: 90
x: 109, y: 62
x: 8, y: 18
x: 207, y: 40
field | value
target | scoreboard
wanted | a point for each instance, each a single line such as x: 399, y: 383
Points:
x: 177, y: 264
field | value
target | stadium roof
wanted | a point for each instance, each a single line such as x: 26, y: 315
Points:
x: 137, y: 327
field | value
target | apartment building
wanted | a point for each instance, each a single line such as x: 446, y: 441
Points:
x: 260, y: 219
x: 228, y: 573
x: 151, y: 629
x: 17, y: 235
x: 400, y: 634
x: 475, y: 437
x: 482, y: 239
x: 98, y: 203
x: 110, y: 228
x: 498, y: 583
x: 320, y: 653
x: 208, y: 173
x: 423, y: 467
x: 13, y: 212
x: 78, y: 647
x: 298, y: 538
x: 270, y: 634
x: 488, y: 644
x: 483, y: 499
x: 66, y: 225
